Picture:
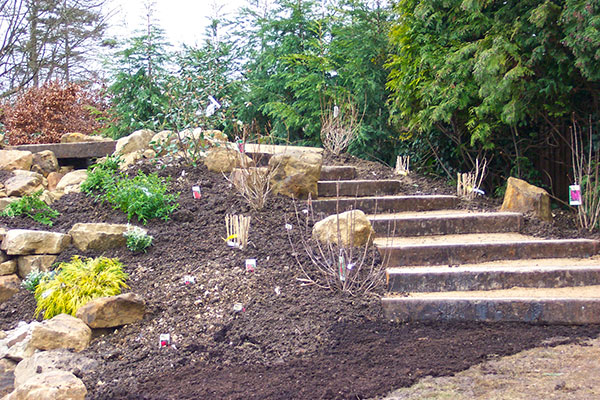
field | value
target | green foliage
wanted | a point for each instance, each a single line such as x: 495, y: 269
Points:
x: 76, y: 283
x: 144, y: 197
x: 302, y: 56
x: 137, y: 93
x: 138, y: 239
x: 102, y: 176
x: 33, y: 279
x: 492, y: 76
x: 33, y: 207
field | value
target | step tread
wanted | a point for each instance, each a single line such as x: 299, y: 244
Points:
x: 525, y: 265
x: 440, y: 214
x: 470, y: 239
x: 388, y: 197
x: 516, y: 293
x: 359, y: 181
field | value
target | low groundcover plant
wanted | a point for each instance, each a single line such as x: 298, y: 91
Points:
x: 76, y: 283
x: 137, y: 239
x: 33, y: 207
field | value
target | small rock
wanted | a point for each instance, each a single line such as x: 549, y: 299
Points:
x: 111, y: 311
x: 61, y: 332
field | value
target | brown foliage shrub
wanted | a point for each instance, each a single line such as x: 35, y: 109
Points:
x: 44, y: 114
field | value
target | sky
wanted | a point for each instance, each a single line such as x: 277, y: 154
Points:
x: 183, y: 21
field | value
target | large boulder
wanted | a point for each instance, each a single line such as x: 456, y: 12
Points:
x: 61, y: 332
x: 9, y: 286
x: 111, y: 311
x: 523, y: 197
x: 8, y: 267
x: 46, y: 361
x: 11, y: 160
x: 23, y: 183
x: 354, y: 229
x: 138, y: 140
x: 98, y: 236
x: 76, y: 137
x: 71, y: 182
x: 224, y: 160
x: 24, y: 242
x: 26, y: 264
x: 44, y: 162
x: 51, y: 385
x: 296, y: 174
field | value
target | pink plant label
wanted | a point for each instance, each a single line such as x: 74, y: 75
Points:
x: 164, y: 340
x: 241, y: 146
x: 196, y: 192
x: 575, y: 195
x: 250, y: 264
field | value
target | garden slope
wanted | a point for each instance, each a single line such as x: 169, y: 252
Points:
x: 304, y: 342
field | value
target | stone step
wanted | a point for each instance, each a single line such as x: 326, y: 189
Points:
x: 358, y: 188
x: 449, y: 222
x: 477, y: 248
x: 580, y: 305
x: 337, y: 172
x: 382, y: 204
x: 496, y: 275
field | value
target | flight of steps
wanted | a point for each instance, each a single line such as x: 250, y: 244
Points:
x: 451, y: 264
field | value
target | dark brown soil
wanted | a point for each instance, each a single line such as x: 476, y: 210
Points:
x: 291, y: 341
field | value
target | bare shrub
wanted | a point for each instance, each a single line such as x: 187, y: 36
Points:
x: 468, y: 184
x: 253, y: 184
x: 237, y: 228
x: 339, y: 125
x: 44, y: 114
x: 586, y: 164
x: 336, y: 267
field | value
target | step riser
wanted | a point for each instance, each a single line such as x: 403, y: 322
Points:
x: 358, y: 188
x: 447, y: 226
x: 482, y: 252
x: 554, y: 311
x: 336, y: 173
x: 384, y: 205
x: 491, y: 280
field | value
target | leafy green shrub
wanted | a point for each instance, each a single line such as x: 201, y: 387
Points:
x: 102, y: 176
x: 33, y: 207
x: 76, y: 283
x: 33, y: 279
x: 144, y: 196
x: 138, y: 239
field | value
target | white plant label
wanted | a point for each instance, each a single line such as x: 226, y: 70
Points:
x: 288, y: 227
x: 250, y: 264
x: 189, y: 279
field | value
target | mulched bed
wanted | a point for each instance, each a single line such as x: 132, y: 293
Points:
x: 291, y: 341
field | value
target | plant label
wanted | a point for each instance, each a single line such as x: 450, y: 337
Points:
x: 189, y: 279
x: 164, y: 340
x: 241, y: 146
x: 250, y: 264
x: 196, y: 192
x: 575, y: 195
x: 288, y: 227
x: 342, y: 268
x: 238, y: 307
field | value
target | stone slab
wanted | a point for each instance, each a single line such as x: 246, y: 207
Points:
x: 337, y: 172
x: 449, y: 224
x: 548, y: 309
x: 359, y: 188
x: 443, y: 279
x: 442, y: 253
x: 72, y: 150
x: 382, y: 204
